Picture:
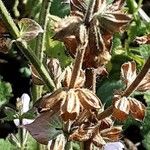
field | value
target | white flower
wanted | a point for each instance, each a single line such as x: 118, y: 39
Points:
x: 24, y: 102
x: 114, y: 146
x: 24, y: 121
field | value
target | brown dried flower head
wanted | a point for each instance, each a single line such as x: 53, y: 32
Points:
x: 71, y: 102
x: 123, y: 107
x: 101, y: 21
x: 98, y: 135
x: 128, y: 75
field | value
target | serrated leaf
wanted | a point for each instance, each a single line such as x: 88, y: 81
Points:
x: 29, y: 29
x: 45, y: 127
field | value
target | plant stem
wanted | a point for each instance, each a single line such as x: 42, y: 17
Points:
x: 40, y: 43
x: 78, y: 64
x: 90, y: 81
x: 138, y: 79
x: 43, y: 20
x: 38, y: 65
x: 12, y: 28
x: 107, y: 112
x: 68, y: 145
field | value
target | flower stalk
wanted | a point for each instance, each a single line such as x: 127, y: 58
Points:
x: 129, y: 90
x: 78, y: 62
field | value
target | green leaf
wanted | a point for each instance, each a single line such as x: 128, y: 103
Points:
x: 10, y: 114
x: 146, y: 141
x: 45, y: 127
x: 59, y: 8
x: 6, y: 145
x: 145, y: 50
x: 147, y: 96
x: 106, y: 90
x: 5, y: 92
x: 29, y: 29
x: 56, y: 49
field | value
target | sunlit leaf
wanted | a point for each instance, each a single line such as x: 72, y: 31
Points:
x: 29, y: 29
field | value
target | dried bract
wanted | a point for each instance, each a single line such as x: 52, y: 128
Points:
x: 128, y: 72
x: 101, y: 21
x: 123, y: 107
x: 137, y: 109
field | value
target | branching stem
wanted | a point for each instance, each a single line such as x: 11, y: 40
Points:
x: 107, y: 112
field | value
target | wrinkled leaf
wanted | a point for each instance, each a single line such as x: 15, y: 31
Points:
x: 45, y: 127
x: 29, y: 29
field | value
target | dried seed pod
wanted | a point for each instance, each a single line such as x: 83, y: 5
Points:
x: 67, y: 77
x: 128, y: 72
x: 70, y: 107
x: 100, y: 20
x: 49, y: 101
x: 121, y: 109
x: 88, y: 99
x: 36, y: 79
x: 137, y: 109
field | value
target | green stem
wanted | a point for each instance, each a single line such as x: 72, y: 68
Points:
x: 43, y: 20
x: 28, y: 52
x: 12, y: 28
x: 40, y: 42
x: 68, y: 145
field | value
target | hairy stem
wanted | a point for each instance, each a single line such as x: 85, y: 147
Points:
x: 129, y: 90
x: 11, y: 26
x: 43, y: 20
x: 78, y: 64
x: 37, y: 64
x: 14, y: 31
x: 40, y: 42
